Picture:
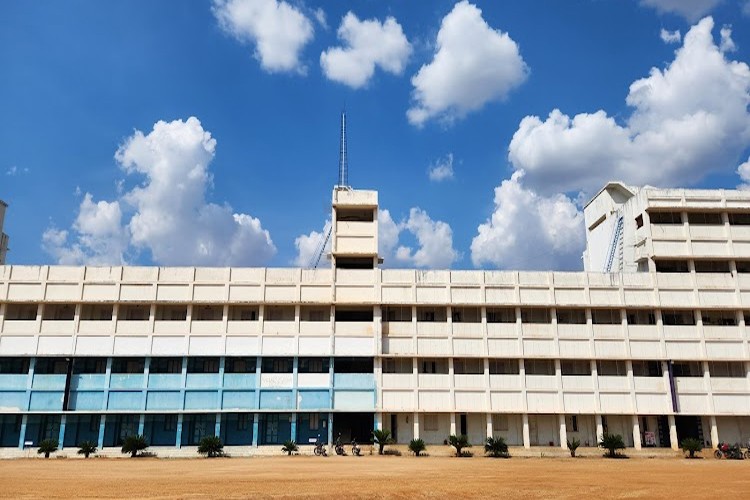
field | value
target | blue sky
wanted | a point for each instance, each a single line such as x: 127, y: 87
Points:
x: 79, y: 78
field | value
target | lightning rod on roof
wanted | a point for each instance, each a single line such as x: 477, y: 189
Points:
x: 343, y: 162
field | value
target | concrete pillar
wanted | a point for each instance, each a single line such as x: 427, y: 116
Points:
x: 141, y: 424
x: 490, y: 430
x: 599, y: 429
x: 61, y: 433
x: 453, y: 425
x: 416, y: 425
x: 378, y: 421
x: 102, y: 427
x: 178, y: 433
x: 714, y: 432
x: 673, y: 433
x: 217, y: 426
x: 526, y: 437
x: 636, y: 432
x: 330, y: 429
x: 22, y: 435
x: 293, y: 433
x: 256, y: 426
x: 563, y: 432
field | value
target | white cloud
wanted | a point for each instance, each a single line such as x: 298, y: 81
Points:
x: 670, y: 36
x: 434, y: 242
x: 530, y: 231
x: 308, y: 246
x: 13, y: 170
x: 442, y: 169
x: 688, y: 119
x: 170, y: 215
x: 278, y: 30
x: 744, y: 172
x: 746, y: 9
x: 727, y: 44
x: 473, y: 65
x: 367, y: 44
x: 691, y: 10
x: 320, y: 16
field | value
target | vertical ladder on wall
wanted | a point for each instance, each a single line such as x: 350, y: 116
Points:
x: 615, y: 246
x: 320, y: 249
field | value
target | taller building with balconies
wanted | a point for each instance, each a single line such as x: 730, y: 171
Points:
x: 652, y: 341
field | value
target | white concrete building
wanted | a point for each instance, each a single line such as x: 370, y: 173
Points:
x: 655, y: 350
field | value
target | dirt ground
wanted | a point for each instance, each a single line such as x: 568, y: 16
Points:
x: 374, y: 477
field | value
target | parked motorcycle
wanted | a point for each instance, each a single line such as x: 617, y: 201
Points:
x: 338, y: 446
x: 730, y: 451
x: 356, y: 451
x: 320, y: 449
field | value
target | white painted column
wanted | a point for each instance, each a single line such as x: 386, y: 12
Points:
x: 599, y: 429
x: 636, y: 432
x: 490, y: 430
x: 526, y: 438
x: 453, y: 424
x: 673, y: 433
x: 714, y: 432
x: 379, y: 421
x: 416, y: 425
x: 563, y: 432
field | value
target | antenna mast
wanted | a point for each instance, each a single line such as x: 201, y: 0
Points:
x: 343, y: 161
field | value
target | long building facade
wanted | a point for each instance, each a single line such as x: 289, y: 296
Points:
x: 652, y: 341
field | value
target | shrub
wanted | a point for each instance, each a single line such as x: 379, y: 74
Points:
x: 612, y: 443
x: 381, y: 438
x: 459, y: 443
x: 573, y: 445
x: 417, y: 446
x: 134, y: 444
x: 290, y: 447
x: 496, y: 447
x: 86, y: 448
x: 47, y: 446
x: 211, y: 446
x: 691, y: 446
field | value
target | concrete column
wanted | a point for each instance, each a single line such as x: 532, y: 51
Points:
x: 102, y: 427
x: 526, y: 437
x: 599, y: 429
x: 714, y: 432
x: 490, y: 430
x: 673, y: 433
x: 22, y: 435
x: 453, y: 424
x: 178, y: 434
x: 61, y: 433
x: 256, y: 426
x: 416, y: 425
x: 217, y: 425
x: 636, y: 432
x: 141, y: 424
x: 378, y: 421
x: 563, y: 432
x: 293, y: 432
x: 330, y: 429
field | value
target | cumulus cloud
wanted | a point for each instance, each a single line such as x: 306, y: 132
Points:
x: 434, y: 242
x: 367, y: 44
x: 473, y: 65
x: 308, y: 247
x: 727, y: 44
x: 278, y: 30
x: 670, y: 36
x: 744, y: 172
x: 170, y: 217
x: 443, y: 169
x: 687, y: 120
x: 691, y: 10
x: 530, y: 231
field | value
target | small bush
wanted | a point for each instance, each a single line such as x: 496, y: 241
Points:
x: 459, y: 443
x: 496, y: 447
x: 290, y: 447
x: 392, y: 453
x: 417, y: 446
x: 47, y: 446
x: 211, y: 446
x: 573, y: 445
x: 612, y: 443
x: 86, y: 448
x: 381, y: 437
x: 134, y: 444
x: 691, y: 446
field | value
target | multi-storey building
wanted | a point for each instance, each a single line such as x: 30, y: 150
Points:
x: 650, y: 342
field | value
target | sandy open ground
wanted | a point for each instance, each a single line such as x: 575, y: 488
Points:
x: 374, y: 477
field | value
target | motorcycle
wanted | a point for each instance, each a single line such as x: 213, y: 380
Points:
x: 730, y: 451
x: 747, y: 452
x: 356, y: 451
x: 320, y: 449
x: 339, y: 447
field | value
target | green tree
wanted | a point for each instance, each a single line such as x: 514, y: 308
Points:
x: 290, y: 447
x: 86, y: 448
x: 417, y: 446
x: 134, y: 444
x: 381, y: 437
x: 691, y: 446
x: 211, y: 446
x: 459, y: 443
x: 496, y: 447
x: 573, y: 445
x: 612, y: 443
x: 47, y: 446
